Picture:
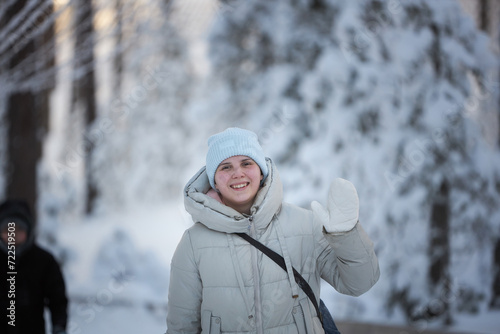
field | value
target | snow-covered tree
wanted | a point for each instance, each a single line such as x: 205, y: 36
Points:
x: 380, y: 93
x: 145, y: 148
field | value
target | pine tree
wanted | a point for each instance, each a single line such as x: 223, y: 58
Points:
x: 147, y: 136
x: 377, y: 92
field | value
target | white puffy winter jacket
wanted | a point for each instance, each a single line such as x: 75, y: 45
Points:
x: 221, y: 284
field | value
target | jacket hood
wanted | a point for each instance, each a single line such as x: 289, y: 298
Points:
x: 219, y: 217
x: 17, y: 211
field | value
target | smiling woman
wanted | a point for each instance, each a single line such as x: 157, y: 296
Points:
x: 219, y: 282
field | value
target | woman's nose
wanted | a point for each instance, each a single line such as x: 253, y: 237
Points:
x: 238, y: 172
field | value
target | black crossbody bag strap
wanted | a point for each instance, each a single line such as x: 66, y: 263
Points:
x: 280, y: 261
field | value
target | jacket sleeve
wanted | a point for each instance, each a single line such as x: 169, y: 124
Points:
x: 56, y: 299
x: 185, y: 290
x: 347, y: 261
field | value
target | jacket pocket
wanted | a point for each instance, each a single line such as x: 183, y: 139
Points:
x: 209, y: 323
x: 303, y: 317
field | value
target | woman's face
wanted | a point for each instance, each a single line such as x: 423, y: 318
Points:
x: 238, y: 180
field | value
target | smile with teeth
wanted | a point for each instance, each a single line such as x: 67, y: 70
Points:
x: 240, y: 185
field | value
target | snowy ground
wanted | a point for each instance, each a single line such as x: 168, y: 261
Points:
x: 117, y: 269
x: 117, y: 276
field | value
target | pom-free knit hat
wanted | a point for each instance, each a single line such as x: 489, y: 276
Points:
x: 232, y: 142
x: 19, y: 224
x: 18, y: 211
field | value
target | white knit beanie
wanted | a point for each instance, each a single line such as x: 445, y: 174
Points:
x: 232, y: 142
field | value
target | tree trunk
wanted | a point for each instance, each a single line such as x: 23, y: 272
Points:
x: 495, y: 293
x: 483, y: 15
x: 24, y: 148
x: 118, y: 59
x: 27, y: 109
x: 83, y: 99
x: 439, y: 254
x: 497, y: 14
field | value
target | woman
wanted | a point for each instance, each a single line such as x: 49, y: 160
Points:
x: 221, y: 283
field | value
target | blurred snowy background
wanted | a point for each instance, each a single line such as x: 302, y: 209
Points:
x: 106, y: 106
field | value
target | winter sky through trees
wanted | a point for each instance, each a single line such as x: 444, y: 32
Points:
x: 399, y: 97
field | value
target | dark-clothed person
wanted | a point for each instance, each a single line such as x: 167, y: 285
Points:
x: 31, y: 279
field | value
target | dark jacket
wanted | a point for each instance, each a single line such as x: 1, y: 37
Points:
x: 37, y: 282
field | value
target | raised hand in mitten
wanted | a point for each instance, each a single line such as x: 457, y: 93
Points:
x: 342, y: 211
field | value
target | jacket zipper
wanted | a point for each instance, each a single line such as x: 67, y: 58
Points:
x: 256, y: 273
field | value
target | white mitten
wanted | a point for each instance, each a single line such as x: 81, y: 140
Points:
x: 342, y: 212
